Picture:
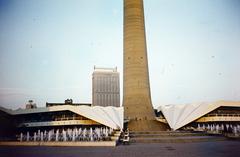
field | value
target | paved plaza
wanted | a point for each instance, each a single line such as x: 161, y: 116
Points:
x: 200, y: 149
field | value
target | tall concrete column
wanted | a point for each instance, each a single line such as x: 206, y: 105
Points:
x: 136, y: 88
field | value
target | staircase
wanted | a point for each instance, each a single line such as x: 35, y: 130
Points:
x: 171, y: 137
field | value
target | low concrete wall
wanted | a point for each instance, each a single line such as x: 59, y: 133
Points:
x: 99, y: 143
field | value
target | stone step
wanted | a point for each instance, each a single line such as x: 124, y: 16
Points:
x: 165, y: 135
x: 172, y: 137
x: 164, y: 132
x: 177, y: 139
x: 150, y: 134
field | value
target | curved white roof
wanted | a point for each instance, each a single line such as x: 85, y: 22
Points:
x: 109, y: 116
x: 178, y: 116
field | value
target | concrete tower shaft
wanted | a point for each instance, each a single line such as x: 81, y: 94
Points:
x: 136, y: 90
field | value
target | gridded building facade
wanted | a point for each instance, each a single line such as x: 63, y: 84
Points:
x: 105, y: 87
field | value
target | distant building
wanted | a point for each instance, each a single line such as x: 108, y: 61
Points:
x: 31, y: 105
x: 105, y: 87
x: 67, y: 102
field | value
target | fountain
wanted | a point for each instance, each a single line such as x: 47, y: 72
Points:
x: 84, y: 133
x: 217, y: 128
x: 27, y: 136
x: 35, y: 136
x: 101, y: 131
x: 21, y: 137
x: 97, y: 130
x: 49, y: 135
x: 111, y: 130
x: 208, y: 127
x: 106, y: 132
x: 91, y: 134
x: 76, y: 132
x: 64, y: 136
x: 45, y: 135
x: 199, y: 127
x: 69, y: 134
x: 214, y: 127
x: 57, y: 134
x: 41, y: 136
x: 238, y: 128
x: 222, y: 127
x: 73, y: 136
x: 235, y: 130
x: 227, y: 126
x: 38, y: 135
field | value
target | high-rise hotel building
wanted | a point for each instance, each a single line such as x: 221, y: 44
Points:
x: 105, y: 87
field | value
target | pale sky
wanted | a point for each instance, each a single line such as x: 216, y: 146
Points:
x: 48, y: 49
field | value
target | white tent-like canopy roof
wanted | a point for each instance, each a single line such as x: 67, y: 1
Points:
x: 109, y: 116
x: 178, y: 116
